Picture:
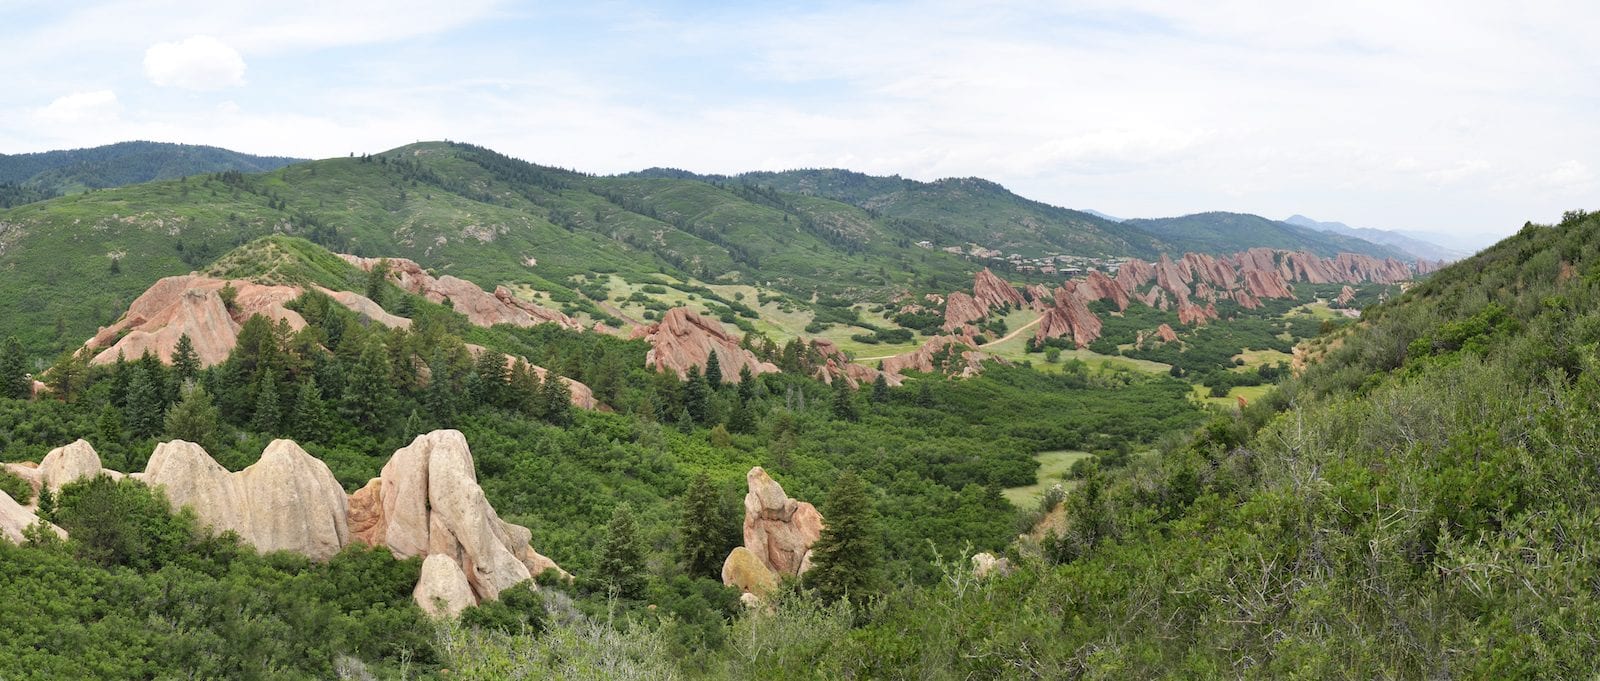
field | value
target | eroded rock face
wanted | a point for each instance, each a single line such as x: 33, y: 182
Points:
x: 992, y: 292
x: 481, y: 307
x: 427, y: 502
x: 1098, y: 286
x: 778, y: 530
x: 684, y: 339
x: 286, y: 501
x: 1166, y: 334
x: 834, y: 365
x: 442, y: 589
x: 961, y: 309
x: 1346, y: 295
x: 191, y: 304
x: 965, y: 362
x: 1069, y: 318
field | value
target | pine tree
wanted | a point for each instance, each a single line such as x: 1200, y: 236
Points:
x: 556, y: 400
x: 845, y: 560
x: 266, y: 417
x: 880, y: 389
x: 713, y: 371
x: 143, y: 403
x: 194, y: 418
x: 844, y: 403
x: 747, y: 385
x: 701, y: 529
x: 491, y: 379
x: 14, y: 381
x: 368, y: 393
x: 66, y: 375
x: 378, y: 282
x: 621, y: 564
x: 108, y: 427
x: 310, y: 418
x: 185, y: 362
x: 696, y: 396
x: 742, y: 418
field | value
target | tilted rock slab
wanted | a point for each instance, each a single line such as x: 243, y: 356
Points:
x: 481, y: 307
x: 442, y: 588
x: 16, y: 518
x: 61, y: 467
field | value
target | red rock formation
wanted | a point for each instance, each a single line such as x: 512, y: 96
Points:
x: 481, y: 307
x: 1266, y: 284
x: 966, y: 364
x: 993, y: 292
x: 1216, y: 272
x: 778, y: 530
x: 683, y: 339
x: 1039, y: 297
x: 834, y: 364
x: 190, y: 304
x: 1133, y: 274
x: 1246, y: 299
x: 961, y: 309
x: 1173, y: 277
x: 1070, y: 318
x: 1098, y: 286
x: 1166, y: 334
x: 1346, y: 295
x: 1190, y: 313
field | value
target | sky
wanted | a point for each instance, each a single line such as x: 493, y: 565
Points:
x: 1464, y: 119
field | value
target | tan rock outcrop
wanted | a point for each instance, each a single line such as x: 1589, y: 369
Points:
x: 191, y: 304
x: 744, y: 571
x: 427, y: 502
x: 778, y: 530
x: 61, y: 467
x: 286, y: 501
x: 15, y: 519
x: 442, y: 589
x: 985, y: 565
x: 684, y: 339
x: 966, y: 361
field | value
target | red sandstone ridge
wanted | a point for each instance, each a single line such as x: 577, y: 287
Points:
x: 961, y: 309
x: 991, y: 291
x: 1071, y: 318
x: 1098, y: 286
x: 1346, y: 295
x: 834, y: 364
x: 683, y: 339
x: 963, y: 362
x: 192, y: 304
x: 1166, y: 334
x: 481, y: 307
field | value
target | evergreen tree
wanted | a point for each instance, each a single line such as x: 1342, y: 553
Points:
x: 701, y: 529
x: 742, y: 418
x: 143, y: 403
x: 880, y: 389
x: 845, y: 560
x: 747, y: 384
x: 266, y: 417
x: 194, y: 418
x: 66, y: 376
x: 491, y: 379
x: 108, y: 427
x: 844, y: 402
x: 556, y: 400
x: 378, y: 282
x: 696, y: 396
x: 310, y: 418
x: 368, y: 394
x: 14, y: 381
x: 621, y: 564
x: 185, y: 362
x: 713, y: 371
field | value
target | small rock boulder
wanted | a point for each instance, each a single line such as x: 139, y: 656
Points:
x: 746, y: 572
x: 16, y: 518
x: 442, y: 588
x: 778, y: 530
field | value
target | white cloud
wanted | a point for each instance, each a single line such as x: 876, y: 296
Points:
x: 98, y: 106
x: 197, y: 63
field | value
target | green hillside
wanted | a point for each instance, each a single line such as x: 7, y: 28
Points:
x: 52, y: 173
x: 1219, y: 232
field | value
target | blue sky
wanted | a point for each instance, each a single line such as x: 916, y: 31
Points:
x: 1464, y: 121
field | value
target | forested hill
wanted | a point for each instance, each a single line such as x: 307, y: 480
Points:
x: 1219, y: 232
x: 31, y: 177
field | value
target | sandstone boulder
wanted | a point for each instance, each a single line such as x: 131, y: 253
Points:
x: 744, y: 571
x: 986, y: 564
x: 62, y: 466
x: 684, y: 339
x: 1346, y: 295
x: 442, y: 588
x: 778, y: 530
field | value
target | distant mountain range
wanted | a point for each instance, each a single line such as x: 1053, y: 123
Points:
x: 73, y: 262
x: 25, y: 178
x: 1412, y: 243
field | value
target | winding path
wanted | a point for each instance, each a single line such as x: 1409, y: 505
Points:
x: 1007, y: 337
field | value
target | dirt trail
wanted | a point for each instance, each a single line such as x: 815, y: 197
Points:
x: 1007, y: 337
